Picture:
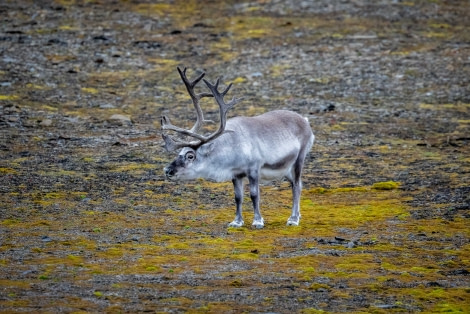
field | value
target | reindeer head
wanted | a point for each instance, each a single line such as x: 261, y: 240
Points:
x: 185, y: 166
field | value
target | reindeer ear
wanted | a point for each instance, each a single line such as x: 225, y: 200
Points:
x: 206, y: 149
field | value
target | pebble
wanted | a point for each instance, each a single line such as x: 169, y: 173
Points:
x: 46, y: 239
x: 120, y: 119
x: 106, y: 106
x: 46, y: 122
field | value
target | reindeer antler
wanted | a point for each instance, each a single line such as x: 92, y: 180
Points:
x: 223, y: 107
x: 173, y: 144
x: 166, y: 124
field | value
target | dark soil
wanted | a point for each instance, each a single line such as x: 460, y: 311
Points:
x: 89, y: 224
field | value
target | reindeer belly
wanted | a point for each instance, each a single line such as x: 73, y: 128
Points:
x: 279, y: 168
x: 267, y: 174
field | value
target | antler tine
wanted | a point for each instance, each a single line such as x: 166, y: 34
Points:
x: 171, y: 144
x: 219, y: 96
x: 223, y: 107
x: 166, y: 125
x: 187, y: 82
x: 194, y: 97
x: 216, y: 87
x: 226, y: 89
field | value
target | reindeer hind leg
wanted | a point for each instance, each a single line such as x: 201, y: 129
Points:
x: 296, y: 183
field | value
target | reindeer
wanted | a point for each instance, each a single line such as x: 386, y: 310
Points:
x: 265, y: 147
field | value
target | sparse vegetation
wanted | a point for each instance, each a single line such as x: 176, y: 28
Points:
x: 87, y: 222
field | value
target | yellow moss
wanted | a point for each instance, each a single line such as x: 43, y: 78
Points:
x: 445, y: 295
x: 239, y: 80
x: 152, y: 268
x: 423, y: 270
x: 236, y: 283
x: 35, y: 86
x: 133, y: 167
x: 340, y: 294
x: 9, y: 97
x: 169, y: 64
x: 251, y: 26
x: 389, y: 185
x: 350, y: 189
x: 10, y: 222
x: 7, y: 171
x: 68, y: 28
x: 337, y: 127
x: 178, y: 246
x: 39, y: 223
x: 459, y: 106
x: 6, y: 283
x: 309, y: 270
x: 248, y: 243
x: 318, y: 190
x: 114, y: 252
x: 244, y: 256
x: 155, y: 8
x: 388, y: 266
x: 58, y: 173
x: 303, y: 262
x: 404, y: 216
x: 89, y: 90
x: 319, y: 286
x: 348, y: 209
x: 15, y: 303
x: 311, y: 311
x: 325, y: 80
x: 439, y: 25
x: 291, y: 230
x: 454, y: 307
x: 98, y: 294
x: 44, y: 203
x: 358, y: 263
x: 436, y: 34
x: 55, y: 195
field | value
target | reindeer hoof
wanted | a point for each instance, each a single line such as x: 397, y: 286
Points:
x: 293, y: 221
x: 236, y: 223
x: 258, y: 224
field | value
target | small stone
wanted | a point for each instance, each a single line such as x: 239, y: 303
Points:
x: 46, y: 122
x: 255, y: 74
x: 46, y: 239
x: 107, y: 106
x: 120, y: 119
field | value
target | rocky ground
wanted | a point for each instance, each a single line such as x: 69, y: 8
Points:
x: 89, y: 224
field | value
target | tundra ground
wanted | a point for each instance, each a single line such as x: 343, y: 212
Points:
x: 89, y: 224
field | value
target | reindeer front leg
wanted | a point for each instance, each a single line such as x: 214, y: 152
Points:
x: 238, y: 187
x: 253, y: 178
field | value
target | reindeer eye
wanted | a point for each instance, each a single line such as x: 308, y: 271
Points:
x: 190, y: 156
